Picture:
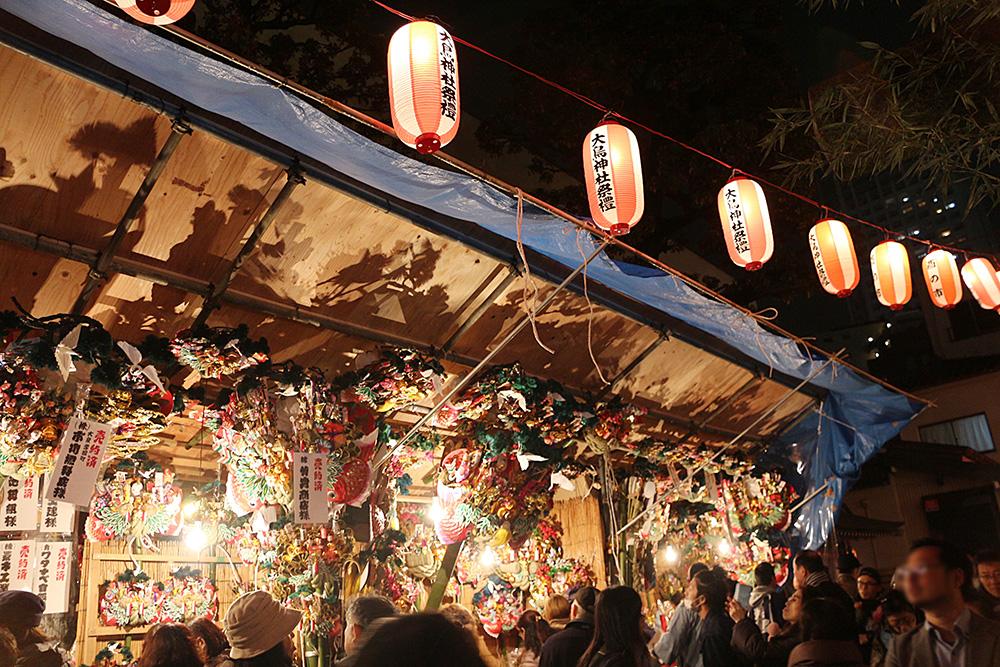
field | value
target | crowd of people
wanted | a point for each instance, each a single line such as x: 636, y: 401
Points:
x: 929, y: 615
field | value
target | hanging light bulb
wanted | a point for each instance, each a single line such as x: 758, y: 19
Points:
x: 195, y: 537
x: 984, y: 283
x: 156, y: 12
x: 942, y: 277
x: 613, y: 172
x: 725, y: 548
x: 436, y: 512
x: 670, y: 555
x: 746, y: 224
x: 834, y: 257
x: 423, y: 86
x: 488, y: 557
x: 891, y: 271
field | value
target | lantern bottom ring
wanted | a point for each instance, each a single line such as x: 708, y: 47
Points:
x: 754, y: 266
x: 950, y: 306
x: 427, y: 143
x: 619, y: 229
x: 844, y: 293
x: 896, y: 306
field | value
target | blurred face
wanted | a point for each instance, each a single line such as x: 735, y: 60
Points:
x: 927, y: 582
x: 800, y: 577
x: 691, y: 596
x: 901, y: 623
x: 989, y: 577
x: 868, y: 588
x: 352, y: 632
x: 793, y: 607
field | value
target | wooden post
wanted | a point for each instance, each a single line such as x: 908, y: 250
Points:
x: 443, y: 576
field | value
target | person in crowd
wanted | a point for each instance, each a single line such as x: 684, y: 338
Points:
x: 770, y: 649
x: 420, y: 640
x: 709, y: 642
x: 463, y: 618
x: 937, y: 576
x: 898, y: 617
x: 259, y: 631
x: 988, y: 573
x: 21, y: 614
x: 8, y: 648
x: 564, y: 648
x: 810, y: 572
x: 361, y: 612
x: 556, y: 612
x: 618, y: 639
x: 171, y: 645
x: 533, y: 630
x: 848, y: 568
x: 829, y: 636
x: 672, y: 643
x: 211, y: 640
x: 870, y: 596
x: 766, y: 600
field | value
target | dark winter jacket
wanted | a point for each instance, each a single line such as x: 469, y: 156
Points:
x: 752, y: 644
x: 711, y: 640
x: 566, y: 647
x: 603, y: 659
x: 45, y: 654
x: 826, y: 653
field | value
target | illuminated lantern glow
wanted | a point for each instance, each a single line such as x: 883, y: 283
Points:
x: 833, y: 254
x: 942, y: 277
x: 891, y: 271
x: 613, y: 172
x: 746, y: 224
x: 156, y: 12
x: 984, y: 283
x: 423, y: 86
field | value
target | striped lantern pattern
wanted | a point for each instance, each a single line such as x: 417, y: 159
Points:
x: 613, y: 173
x: 746, y: 224
x: 156, y: 12
x: 944, y: 282
x: 983, y: 281
x: 833, y: 254
x: 891, y: 271
x: 423, y: 86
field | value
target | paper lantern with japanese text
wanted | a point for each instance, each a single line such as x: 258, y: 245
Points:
x: 891, y: 271
x: 746, y: 224
x: 156, y: 12
x: 423, y: 86
x: 944, y: 282
x: 613, y: 172
x: 833, y: 254
x: 983, y: 281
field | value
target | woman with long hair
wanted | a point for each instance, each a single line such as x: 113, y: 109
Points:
x: 171, y: 645
x: 556, y: 611
x: 533, y: 631
x: 210, y: 638
x: 618, y: 640
x: 21, y: 614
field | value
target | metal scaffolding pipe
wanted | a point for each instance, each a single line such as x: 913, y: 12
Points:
x: 481, y: 309
x: 632, y: 365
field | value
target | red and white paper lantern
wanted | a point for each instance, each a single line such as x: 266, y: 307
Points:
x: 156, y: 12
x: 613, y: 172
x: 983, y: 281
x: 943, y: 279
x: 746, y: 224
x: 891, y: 271
x: 833, y: 254
x: 423, y: 86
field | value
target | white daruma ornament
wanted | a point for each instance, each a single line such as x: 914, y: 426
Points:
x: 943, y: 280
x: 891, y: 271
x: 613, y: 172
x: 423, y: 86
x: 156, y: 12
x: 983, y: 281
x: 833, y: 254
x: 746, y: 224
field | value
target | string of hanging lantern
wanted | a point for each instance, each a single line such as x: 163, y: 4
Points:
x: 613, y: 176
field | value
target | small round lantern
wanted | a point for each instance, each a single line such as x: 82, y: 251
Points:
x: 983, y: 281
x: 944, y: 283
x: 613, y: 172
x: 156, y: 12
x: 833, y: 254
x: 746, y: 224
x: 891, y: 271
x: 423, y: 86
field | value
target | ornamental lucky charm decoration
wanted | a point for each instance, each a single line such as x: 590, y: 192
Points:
x: 133, y: 599
x: 135, y: 501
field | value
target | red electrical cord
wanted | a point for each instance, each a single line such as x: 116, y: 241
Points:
x: 722, y: 163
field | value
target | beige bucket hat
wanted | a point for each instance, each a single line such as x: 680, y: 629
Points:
x: 255, y: 623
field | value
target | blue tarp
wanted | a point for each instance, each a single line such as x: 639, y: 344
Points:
x: 822, y: 450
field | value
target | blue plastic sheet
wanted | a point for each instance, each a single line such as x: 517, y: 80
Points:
x: 818, y: 449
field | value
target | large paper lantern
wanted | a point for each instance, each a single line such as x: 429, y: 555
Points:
x: 834, y: 257
x: 984, y: 283
x: 746, y: 224
x: 423, y: 86
x: 891, y: 271
x: 941, y: 274
x: 156, y: 12
x: 613, y: 172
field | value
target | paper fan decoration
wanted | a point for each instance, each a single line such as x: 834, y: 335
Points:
x: 156, y: 12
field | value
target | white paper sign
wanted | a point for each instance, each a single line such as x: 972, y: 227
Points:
x: 57, y: 517
x: 309, y: 487
x: 17, y: 565
x: 20, y: 504
x: 52, y: 575
x: 81, y: 451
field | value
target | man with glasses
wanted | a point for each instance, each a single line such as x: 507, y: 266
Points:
x: 988, y: 571
x: 936, y: 577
